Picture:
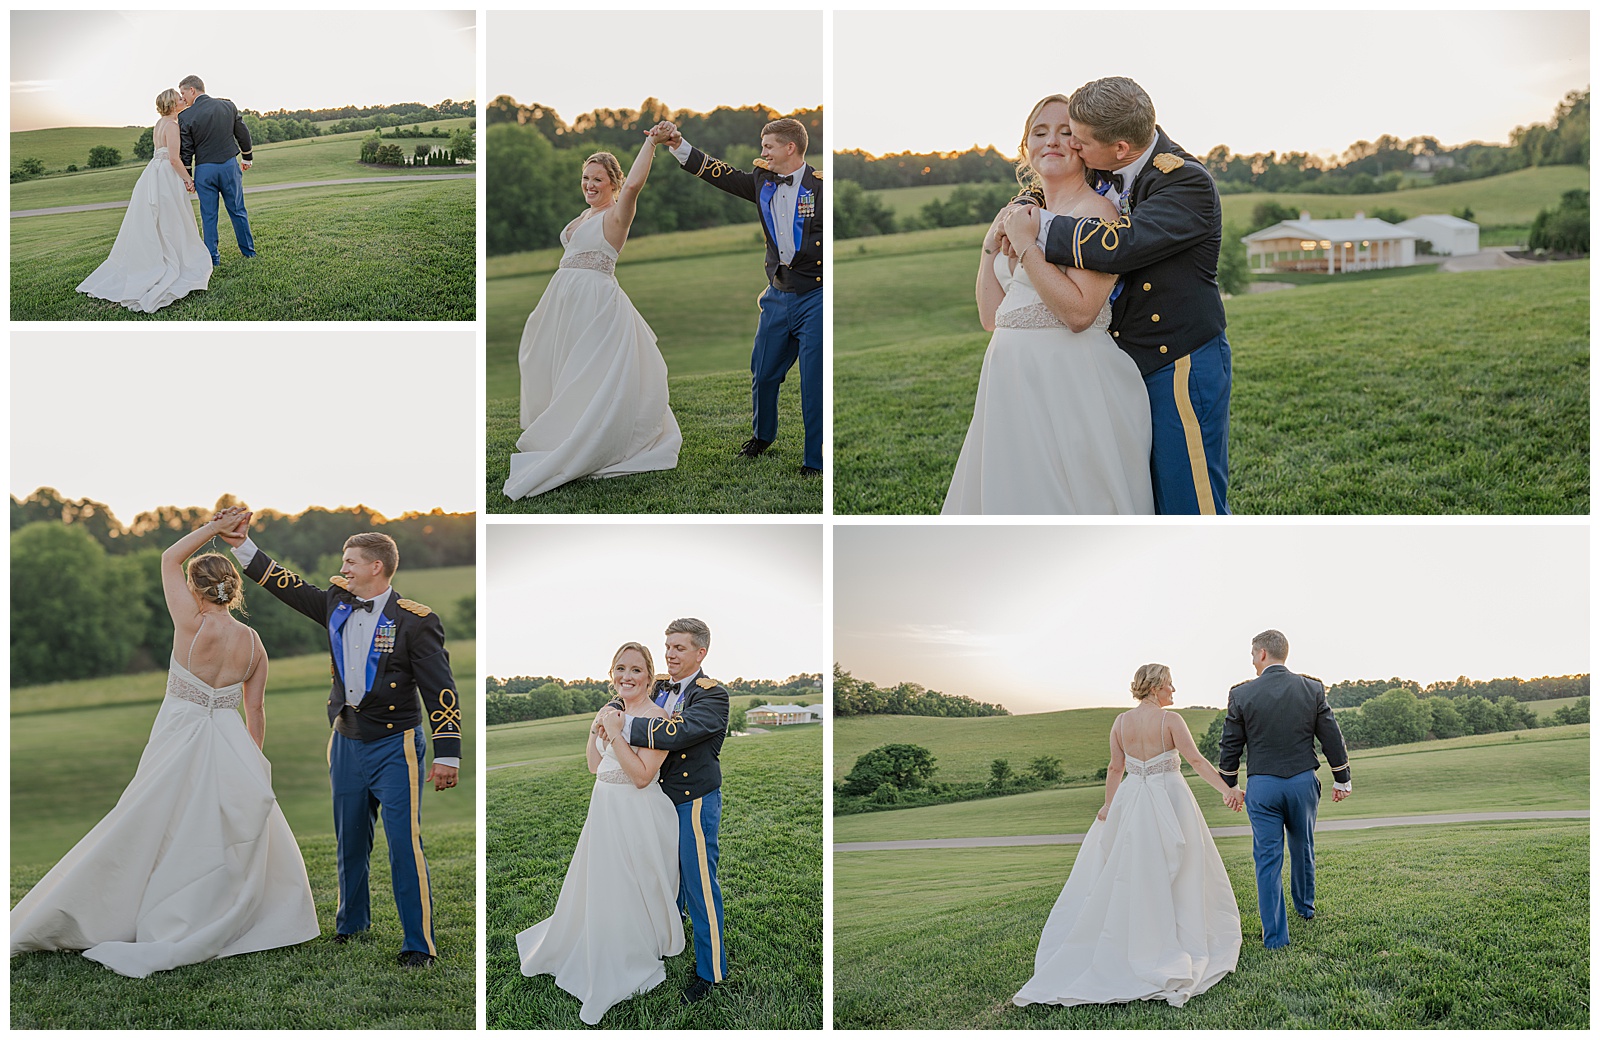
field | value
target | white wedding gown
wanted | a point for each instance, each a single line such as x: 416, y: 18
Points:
x: 158, y: 256
x: 594, y: 385
x: 1062, y: 420
x: 1148, y: 912
x: 194, y: 862
x: 617, y: 914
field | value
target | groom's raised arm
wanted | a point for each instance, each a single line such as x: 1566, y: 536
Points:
x: 284, y: 584
x: 717, y: 173
x: 1180, y: 212
x: 1230, y: 749
x: 701, y: 720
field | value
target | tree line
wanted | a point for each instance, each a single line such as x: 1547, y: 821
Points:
x: 1354, y: 692
x: 537, y: 162
x: 523, y: 698
x: 86, y: 595
x: 852, y: 696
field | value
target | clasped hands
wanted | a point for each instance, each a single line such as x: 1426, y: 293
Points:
x: 608, y: 722
x: 231, y: 523
x: 1016, y: 222
x: 1233, y: 798
x: 666, y: 134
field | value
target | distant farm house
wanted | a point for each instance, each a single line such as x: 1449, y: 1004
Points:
x: 781, y: 715
x: 1336, y: 246
x: 1448, y: 235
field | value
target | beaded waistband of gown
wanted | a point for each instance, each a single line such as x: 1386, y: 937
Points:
x: 1033, y: 316
x: 179, y: 687
x: 1168, y: 764
x: 591, y: 260
x: 614, y: 776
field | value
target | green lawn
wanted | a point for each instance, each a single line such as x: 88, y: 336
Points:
x: 113, y: 716
x: 1532, y: 769
x: 308, y: 159
x: 1550, y: 707
x: 1464, y: 927
x: 1509, y: 199
x: 770, y: 875
x: 442, y: 588
x: 400, y: 252
x: 698, y: 291
x: 1397, y: 395
x: 315, y: 985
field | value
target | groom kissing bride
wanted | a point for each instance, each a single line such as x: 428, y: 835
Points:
x: 649, y: 849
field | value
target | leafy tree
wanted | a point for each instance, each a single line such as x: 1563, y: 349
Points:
x: 1571, y: 714
x: 1000, y: 775
x: 1397, y: 717
x: 856, y: 214
x: 102, y: 156
x: 1390, y: 214
x: 463, y: 143
x: 75, y: 611
x: 1266, y: 214
x: 886, y: 794
x: 1445, y: 722
x: 1233, y: 263
x: 391, y: 155
x: 1516, y: 714
x: 423, y: 151
x: 905, y: 766
x: 145, y: 147
x: 1479, y: 715
x: 550, y: 701
x: 467, y: 613
x: 736, y: 721
x: 27, y: 170
x: 1045, y: 769
x: 1564, y: 229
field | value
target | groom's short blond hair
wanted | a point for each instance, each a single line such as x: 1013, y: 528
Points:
x: 377, y: 546
x: 1275, y: 643
x: 791, y: 130
x: 1115, y: 109
x: 192, y: 81
x: 694, y: 628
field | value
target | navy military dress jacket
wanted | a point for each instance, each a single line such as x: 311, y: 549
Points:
x: 692, y: 737
x: 1166, y: 252
x: 804, y: 273
x: 1279, y: 714
x: 212, y: 131
x: 409, y: 682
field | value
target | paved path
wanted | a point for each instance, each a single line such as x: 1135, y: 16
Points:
x: 254, y: 190
x: 1216, y: 832
x: 1488, y: 258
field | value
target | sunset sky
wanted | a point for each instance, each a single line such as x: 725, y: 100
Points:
x: 105, y: 68
x: 1256, y: 81
x: 688, y: 59
x: 1041, y: 618
x: 563, y: 597
x: 140, y: 419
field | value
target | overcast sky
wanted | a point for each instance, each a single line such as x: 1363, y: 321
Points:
x: 1041, y: 618
x: 578, y: 62
x: 139, y: 419
x: 1256, y: 81
x: 105, y: 68
x: 563, y: 597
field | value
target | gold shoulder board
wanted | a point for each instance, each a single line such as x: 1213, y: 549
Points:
x: 816, y: 173
x: 419, y: 609
x: 762, y: 164
x: 706, y: 684
x: 341, y: 581
x: 663, y: 677
x: 1166, y: 162
x: 1313, y: 678
x: 1236, y: 685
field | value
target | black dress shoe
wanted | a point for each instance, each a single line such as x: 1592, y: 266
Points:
x: 753, y: 447
x: 414, y: 959
x: 1312, y: 916
x: 810, y: 471
x: 340, y: 938
x: 696, y: 991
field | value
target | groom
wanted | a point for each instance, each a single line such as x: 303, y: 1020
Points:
x: 210, y: 134
x: 788, y: 196
x: 1278, y: 714
x: 692, y: 733
x: 386, y: 650
x: 1167, y: 311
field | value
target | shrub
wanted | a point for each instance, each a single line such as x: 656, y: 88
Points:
x: 999, y: 774
x: 886, y: 794
x: 1564, y: 229
x: 102, y: 156
x: 391, y: 155
x: 904, y: 766
x: 1046, y: 769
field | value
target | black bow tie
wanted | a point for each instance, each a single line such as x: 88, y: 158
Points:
x: 785, y: 179
x: 361, y: 604
x: 1115, y: 180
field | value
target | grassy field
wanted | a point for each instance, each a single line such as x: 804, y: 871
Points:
x: 1446, y: 925
x: 770, y: 874
x: 114, y: 715
x: 58, y: 793
x: 442, y: 589
x: 1465, y: 927
x: 1509, y: 199
x: 312, y: 986
x: 374, y: 252
x: 1387, y: 396
x: 1550, y: 707
x: 1441, y: 776
x: 698, y: 291
x: 308, y: 159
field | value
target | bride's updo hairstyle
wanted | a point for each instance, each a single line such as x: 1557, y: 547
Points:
x: 216, y: 580
x: 1147, y: 678
x: 613, y: 168
x: 649, y: 662
x: 1026, y: 177
x: 166, y: 101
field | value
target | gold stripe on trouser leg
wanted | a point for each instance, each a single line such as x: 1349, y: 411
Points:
x: 1192, y: 438
x: 705, y: 888
x: 330, y: 750
x: 414, y: 789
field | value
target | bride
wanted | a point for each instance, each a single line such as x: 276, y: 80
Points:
x: 594, y: 386
x: 1062, y: 419
x: 195, y: 861
x: 617, y: 914
x: 158, y: 256
x: 1148, y: 911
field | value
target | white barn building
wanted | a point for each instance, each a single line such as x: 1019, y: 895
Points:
x: 1361, y: 243
x: 1448, y: 235
x: 782, y: 715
